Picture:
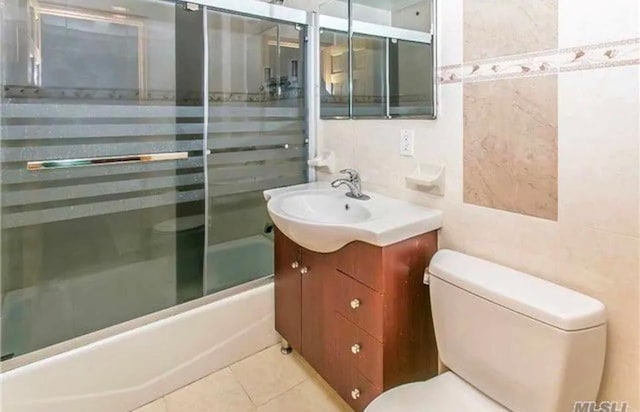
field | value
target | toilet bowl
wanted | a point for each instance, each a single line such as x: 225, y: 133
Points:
x: 512, y: 342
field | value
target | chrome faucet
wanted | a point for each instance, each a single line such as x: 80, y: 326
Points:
x: 353, y: 183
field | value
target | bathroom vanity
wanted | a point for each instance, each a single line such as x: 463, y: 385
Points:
x: 349, y: 290
x: 361, y: 315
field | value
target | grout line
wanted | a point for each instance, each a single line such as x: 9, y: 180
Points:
x: 284, y: 393
x: 235, y: 378
x: 307, y: 376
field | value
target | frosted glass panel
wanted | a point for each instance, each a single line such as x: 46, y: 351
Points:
x: 92, y: 237
x: 257, y: 135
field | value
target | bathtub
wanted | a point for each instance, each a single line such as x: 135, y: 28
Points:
x: 125, y: 366
x: 238, y: 261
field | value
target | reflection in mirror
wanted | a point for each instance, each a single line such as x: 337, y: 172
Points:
x: 410, y: 79
x: 369, y: 76
x: 404, y: 14
x: 334, y: 74
x: 334, y: 8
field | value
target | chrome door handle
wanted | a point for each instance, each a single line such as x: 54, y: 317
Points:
x: 108, y: 160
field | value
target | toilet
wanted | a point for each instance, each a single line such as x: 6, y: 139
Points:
x: 511, y: 342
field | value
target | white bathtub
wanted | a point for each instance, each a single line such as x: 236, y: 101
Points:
x: 133, y: 367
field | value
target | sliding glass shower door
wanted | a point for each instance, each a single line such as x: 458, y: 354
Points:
x: 136, y: 139
x: 257, y: 135
x: 102, y: 184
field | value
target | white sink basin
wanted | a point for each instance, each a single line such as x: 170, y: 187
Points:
x: 323, y: 219
x: 322, y: 206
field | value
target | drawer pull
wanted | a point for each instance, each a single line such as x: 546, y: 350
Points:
x: 355, y: 349
x: 355, y: 304
x: 355, y: 394
x: 304, y: 270
x: 295, y: 265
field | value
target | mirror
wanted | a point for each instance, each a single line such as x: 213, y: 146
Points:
x: 402, y: 14
x: 411, y: 80
x: 389, y: 65
x: 334, y: 8
x: 334, y: 74
x: 369, y: 76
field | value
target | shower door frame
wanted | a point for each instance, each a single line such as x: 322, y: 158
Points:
x: 247, y: 8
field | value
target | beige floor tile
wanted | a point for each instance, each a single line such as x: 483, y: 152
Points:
x: 268, y: 374
x: 218, y: 392
x: 156, y: 406
x: 309, y: 396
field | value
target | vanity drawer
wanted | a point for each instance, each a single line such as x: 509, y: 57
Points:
x: 356, y: 348
x: 359, y: 304
x: 355, y: 389
x: 363, y: 262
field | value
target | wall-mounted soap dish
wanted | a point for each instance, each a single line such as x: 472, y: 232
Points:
x: 324, y: 160
x: 428, y: 177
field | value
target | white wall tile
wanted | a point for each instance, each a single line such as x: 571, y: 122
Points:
x: 595, y: 21
x: 450, y: 32
x: 599, y: 129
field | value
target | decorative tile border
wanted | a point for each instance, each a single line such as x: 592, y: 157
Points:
x: 598, y: 56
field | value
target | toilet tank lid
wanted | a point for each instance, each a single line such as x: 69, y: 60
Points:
x: 536, y: 298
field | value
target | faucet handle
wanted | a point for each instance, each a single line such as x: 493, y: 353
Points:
x: 353, y: 174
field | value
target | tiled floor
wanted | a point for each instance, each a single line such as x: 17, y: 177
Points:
x: 265, y: 382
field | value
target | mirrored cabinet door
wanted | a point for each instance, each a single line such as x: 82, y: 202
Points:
x: 334, y: 74
x: 387, y: 70
x: 369, y: 76
x: 411, y: 79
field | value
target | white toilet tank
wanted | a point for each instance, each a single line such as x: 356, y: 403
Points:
x: 529, y: 344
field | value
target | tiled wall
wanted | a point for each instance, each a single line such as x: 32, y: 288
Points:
x: 539, y: 130
x: 510, y: 124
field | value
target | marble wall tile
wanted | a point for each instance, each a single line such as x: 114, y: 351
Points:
x: 511, y: 145
x: 494, y: 28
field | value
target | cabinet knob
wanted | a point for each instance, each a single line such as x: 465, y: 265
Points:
x: 355, y: 394
x: 295, y: 265
x: 304, y: 270
x: 355, y: 349
x: 355, y: 304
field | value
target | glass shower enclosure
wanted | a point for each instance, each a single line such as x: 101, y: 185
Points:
x: 136, y: 140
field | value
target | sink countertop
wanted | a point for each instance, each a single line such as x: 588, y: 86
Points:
x: 392, y: 220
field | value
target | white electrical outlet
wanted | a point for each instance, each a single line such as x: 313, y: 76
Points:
x: 406, y: 142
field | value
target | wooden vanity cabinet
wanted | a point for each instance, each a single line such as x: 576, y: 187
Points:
x: 360, y: 316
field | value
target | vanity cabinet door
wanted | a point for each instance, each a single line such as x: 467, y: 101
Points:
x: 316, y: 314
x: 288, y: 296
